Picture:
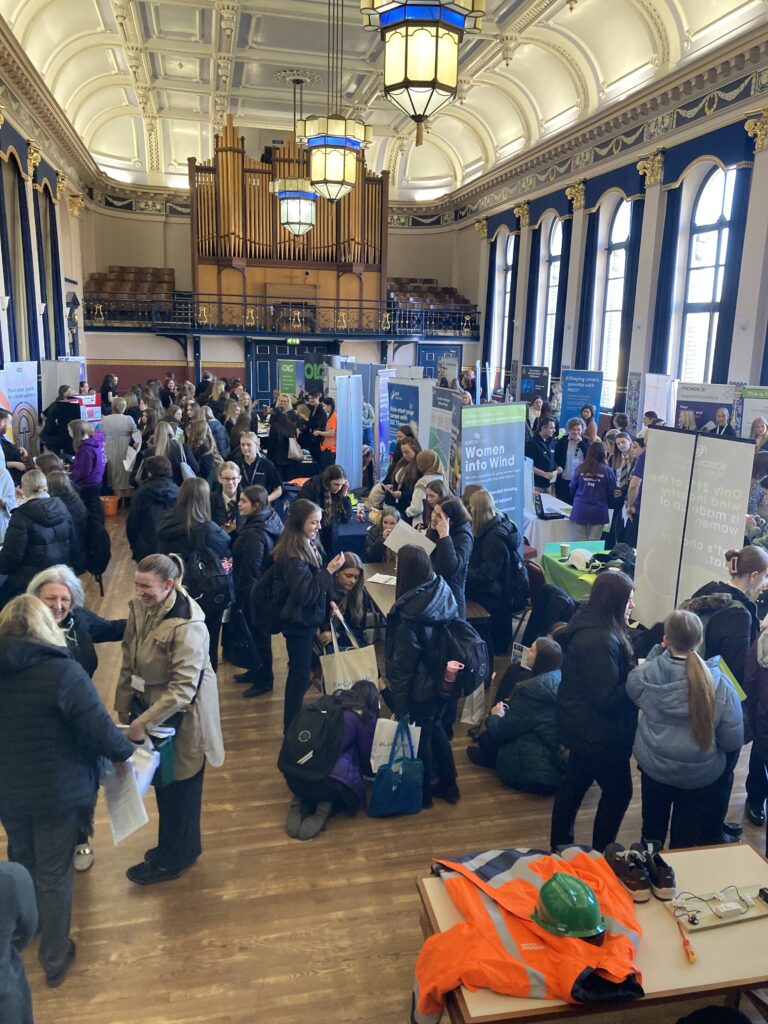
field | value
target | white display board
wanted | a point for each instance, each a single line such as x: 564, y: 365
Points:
x: 693, y: 505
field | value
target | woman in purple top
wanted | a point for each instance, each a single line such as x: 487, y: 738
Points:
x: 88, y: 468
x: 344, y: 788
x: 592, y: 488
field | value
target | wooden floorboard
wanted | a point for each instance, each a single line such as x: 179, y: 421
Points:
x: 265, y: 928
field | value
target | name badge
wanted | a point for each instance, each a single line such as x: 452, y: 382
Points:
x: 138, y: 684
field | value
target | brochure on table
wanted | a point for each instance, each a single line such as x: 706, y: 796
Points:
x: 693, y: 505
x: 403, y: 534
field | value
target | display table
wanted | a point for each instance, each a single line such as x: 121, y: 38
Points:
x: 729, y: 959
x: 540, y: 532
x: 383, y: 595
x: 573, y: 581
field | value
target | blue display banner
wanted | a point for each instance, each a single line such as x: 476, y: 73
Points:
x: 493, y: 455
x: 580, y: 388
x: 445, y: 431
x: 349, y: 427
x: 534, y: 383
x: 403, y: 409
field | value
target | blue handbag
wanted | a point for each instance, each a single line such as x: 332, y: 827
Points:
x: 399, y: 784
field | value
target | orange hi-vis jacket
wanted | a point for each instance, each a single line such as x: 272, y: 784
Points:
x: 499, y: 947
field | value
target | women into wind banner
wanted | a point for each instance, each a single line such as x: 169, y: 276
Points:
x: 493, y: 455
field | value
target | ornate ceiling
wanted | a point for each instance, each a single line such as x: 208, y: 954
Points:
x: 145, y: 84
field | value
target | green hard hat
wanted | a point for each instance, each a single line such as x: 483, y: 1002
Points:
x: 568, y: 907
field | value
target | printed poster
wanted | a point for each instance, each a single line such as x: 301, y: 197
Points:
x: 18, y: 394
x: 534, y: 383
x: 697, y: 405
x: 445, y: 432
x: 493, y: 454
x: 580, y: 388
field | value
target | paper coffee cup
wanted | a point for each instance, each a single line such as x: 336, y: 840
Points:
x: 565, y: 550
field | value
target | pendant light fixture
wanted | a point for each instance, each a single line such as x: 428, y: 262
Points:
x: 421, y: 50
x: 298, y: 201
x: 333, y: 140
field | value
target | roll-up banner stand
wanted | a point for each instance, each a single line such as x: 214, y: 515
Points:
x: 697, y: 405
x: 493, y: 454
x: 634, y: 400
x: 349, y: 427
x: 693, y: 504
x: 18, y: 394
x: 658, y: 395
x: 290, y: 376
x: 754, y: 405
x: 381, y: 408
x: 410, y: 404
x: 445, y: 433
x: 580, y: 388
x: 534, y: 383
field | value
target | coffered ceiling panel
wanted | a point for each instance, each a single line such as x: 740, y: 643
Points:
x: 145, y: 83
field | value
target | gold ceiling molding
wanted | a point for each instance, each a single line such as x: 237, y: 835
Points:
x: 652, y: 168
x: 34, y: 157
x: 577, y: 195
x: 523, y: 214
x: 481, y: 226
x: 757, y: 129
x: 76, y: 204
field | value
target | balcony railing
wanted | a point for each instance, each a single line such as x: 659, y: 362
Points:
x: 198, y: 313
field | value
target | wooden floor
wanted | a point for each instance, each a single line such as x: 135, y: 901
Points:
x: 265, y: 928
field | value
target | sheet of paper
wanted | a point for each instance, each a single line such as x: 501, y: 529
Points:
x: 136, y: 437
x: 389, y: 581
x: 403, y: 534
x: 144, y: 764
x: 127, y: 813
x: 130, y: 458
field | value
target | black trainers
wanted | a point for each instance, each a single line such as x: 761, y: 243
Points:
x: 629, y: 867
x: 660, y: 873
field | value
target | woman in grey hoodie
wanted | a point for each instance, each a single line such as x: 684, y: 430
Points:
x: 690, y: 718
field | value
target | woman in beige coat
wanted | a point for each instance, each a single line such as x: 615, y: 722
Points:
x: 118, y: 429
x: 167, y: 679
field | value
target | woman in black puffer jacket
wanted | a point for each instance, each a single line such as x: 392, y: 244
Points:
x: 59, y: 486
x: 55, y: 729
x: 423, y: 603
x: 596, y: 718
x: 452, y: 534
x: 156, y: 495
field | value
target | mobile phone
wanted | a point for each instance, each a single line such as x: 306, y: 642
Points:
x: 518, y: 651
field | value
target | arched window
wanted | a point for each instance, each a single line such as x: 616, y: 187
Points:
x: 707, y: 253
x: 554, y: 253
x: 509, y: 266
x: 613, y: 300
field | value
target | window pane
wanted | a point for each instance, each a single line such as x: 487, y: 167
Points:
x: 719, y: 287
x: 511, y: 249
x: 556, y: 239
x: 701, y: 284
x: 704, y: 249
x: 554, y: 274
x: 621, y: 223
x: 712, y: 337
x: 608, y: 397
x: 710, y: 204
x: 724, y: 235
x: 695, y: 343
x: 617, y: 262
x: 730, y: 182
x: 614, y: 294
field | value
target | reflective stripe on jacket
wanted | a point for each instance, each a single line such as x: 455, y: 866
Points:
x: 499, y: 947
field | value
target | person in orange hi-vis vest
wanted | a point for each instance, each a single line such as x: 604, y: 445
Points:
x: 500, y: 946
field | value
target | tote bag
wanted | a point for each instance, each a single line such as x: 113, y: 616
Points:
x: 399, y: 784
x: 295, y: 451
x: 342, y: 669
x: 187, y: 473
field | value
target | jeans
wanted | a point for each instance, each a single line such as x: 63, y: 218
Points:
x: 434, y: 746
x: 178, y: 832
x: 695, y: 814
x: 299, y: 644
x: 46, y: 850
x: 612, y: 774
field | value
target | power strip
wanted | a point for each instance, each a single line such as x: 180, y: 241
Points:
x: 701, y: 911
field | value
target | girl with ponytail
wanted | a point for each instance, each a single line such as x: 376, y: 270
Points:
x: 691, y: 721
x: 166, y: 679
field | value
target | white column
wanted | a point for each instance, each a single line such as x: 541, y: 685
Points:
x: 484, y: 268
x: 523, y: 267
x: 576, y: 193
x: 655, y: 208
x: 36, y: 269
x: 751, y: 321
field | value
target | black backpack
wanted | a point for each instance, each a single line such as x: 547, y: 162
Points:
x: 312, y: 741
x: 264, y: 604
x: 519, y: 586
x: 98, y: 548
x: 205, y: 578
x: 458, y: 641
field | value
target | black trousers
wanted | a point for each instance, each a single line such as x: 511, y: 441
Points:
x: 613, y: 776
x: 757, y: 779
x: 696, y: 819
x: 299, y: 644
x: 91, y: 498
x: 213, y: 617
x: 178, y: 833
x: 262, y: 647
x: 725, y: 784
x: 434, y: 745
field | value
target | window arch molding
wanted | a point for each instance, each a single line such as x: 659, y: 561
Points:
x: 551, y: 250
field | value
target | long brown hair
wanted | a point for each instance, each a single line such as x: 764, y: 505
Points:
x: 193, y: 506
x: 413, y: 569
x: 410, y: 471
x: 684, y: 633
x: 608, y: 598
x: 293, y: 543
x: 594, y: 460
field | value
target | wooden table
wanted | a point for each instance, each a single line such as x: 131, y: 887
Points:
x: 383, y: 596
x: 730, y: 959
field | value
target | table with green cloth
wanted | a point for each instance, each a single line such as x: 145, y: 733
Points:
x: 574, y: 582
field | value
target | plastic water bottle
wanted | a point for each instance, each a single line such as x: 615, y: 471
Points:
x: 361, y: 513
x: 448, y: 684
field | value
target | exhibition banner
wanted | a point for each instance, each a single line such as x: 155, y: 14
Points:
x: 410, y: 404
x: 332, y: 375
x: 754, y: 404
x: 314, y: 373
x: 697, y: 405
x: 534, y: 383
x: 445, y: 433
x: 290, y: 376
x: 693, y: 504
x: 18, y: 394
x: 448, y: 371
x: 658, y: 396
x: 349, y: 428
x: 633, y: 401
x: 514, y: 375
x: 381, y: 426
x: 493, y: 454
x: 580, y: 388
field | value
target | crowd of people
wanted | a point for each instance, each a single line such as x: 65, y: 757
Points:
x: 229, y: 551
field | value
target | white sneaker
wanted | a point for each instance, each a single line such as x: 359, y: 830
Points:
x: 83, y: 857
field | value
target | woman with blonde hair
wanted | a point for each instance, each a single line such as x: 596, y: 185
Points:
x: 204, y: 449
x: 165, y: 443
x: 218, y: 398
x: 759, y: 432
x: 56, y: 729
x: 430, y: 467
x: 166, y: 679
x: 691, y: 720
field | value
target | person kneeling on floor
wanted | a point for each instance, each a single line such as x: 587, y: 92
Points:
x: 325, y: 754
